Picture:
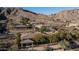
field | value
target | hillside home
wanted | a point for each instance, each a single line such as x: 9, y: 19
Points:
x: 26, y: 40
x: 19, y: 28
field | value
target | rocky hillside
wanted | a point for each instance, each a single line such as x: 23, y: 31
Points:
x: 70, y: 17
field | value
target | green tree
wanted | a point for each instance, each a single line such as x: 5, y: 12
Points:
x: 64, y: 44
x: 74, y: 34
x: 25, y: 21
x: 61, y: 34
x: 38, y: 38
x: 18, y: 40
x: 53, y: 38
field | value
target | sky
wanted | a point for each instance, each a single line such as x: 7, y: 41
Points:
x: 49, y: 10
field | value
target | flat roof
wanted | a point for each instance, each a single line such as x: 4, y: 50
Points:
x: 27, y: 41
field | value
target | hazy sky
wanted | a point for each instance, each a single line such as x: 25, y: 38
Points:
x: 49, y: 10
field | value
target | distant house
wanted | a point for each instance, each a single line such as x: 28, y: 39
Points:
x: 19, y: 28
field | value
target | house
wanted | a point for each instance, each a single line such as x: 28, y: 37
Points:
x: 19, y: 28
x: 26, y: 40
